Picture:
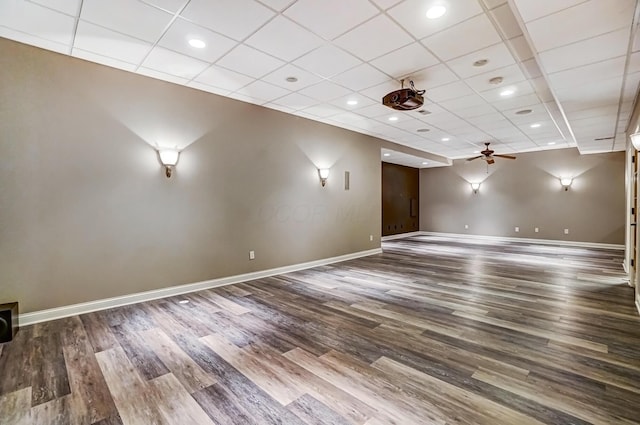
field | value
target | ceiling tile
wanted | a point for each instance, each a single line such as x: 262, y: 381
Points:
x: 432, y: 77
x: 296, y: 101
x: 162, y: 76
x: 103, y: 60
x: 250, y: 61
x: 278, y: 5
x: 446, y: 44
x: 510, y: 75
x: 474, y: 111
x: 223, y: 78
x: 323, y: 110
x: 516, y: 102
x: 140, y: 20
x: 360, y: 77
x: 363, y: 102
x: 169, y: 5
x: 280, y: 75
x: 279, y: 107
x: 378, y: 92
x: 412, y: 15
x: 284, y: 39
x: 263, y: 91
x: 463, y: 102
x: 580, y: 22
x: 595, y: 49
x: 327, y: 61
x: 402, y: 62
x: 70, y: 7
x: 107, y: 43
x: 374, y: 38
x: 33, y: 40
x: 208, y: 88
x: 519, y: 89
x: 181, y: 31
x: 163, y: 60
x: 448, y: 91
x: 386, y: 4
x: 36, y: 20
x: 234, y: 18
x: 331, y: 18
x: 592, y: 73
x: 325, y: 91
x: 374, y: 110
x: 498, y: 56
x: 533, y: 9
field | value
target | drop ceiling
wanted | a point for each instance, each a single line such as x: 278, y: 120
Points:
x: 574, y: 64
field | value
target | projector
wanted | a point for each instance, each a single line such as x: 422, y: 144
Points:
x: 403, y: 100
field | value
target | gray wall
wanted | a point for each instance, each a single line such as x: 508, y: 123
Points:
x: 526, y: 192
x: 87, y: 213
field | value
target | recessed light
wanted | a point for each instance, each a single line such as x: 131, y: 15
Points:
x: 292, y: 79
x: 386, y: 154
x: 352, y: 102
x: 536, y: 125
x: 524, y: 112
x: 422, y: 130
x: 183, y: 302
x: 436, y: 12
x: 198, y: 44
x: 425, y: 163
x: 481, y: 62
x: 445, y: 139
x: 393, y: 118
x: 507, y: 92
x: 551, y: 143
x: 496, y: 80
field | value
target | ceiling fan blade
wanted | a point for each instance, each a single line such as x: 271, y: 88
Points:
x: 475, y: 157
x: 505, y: 156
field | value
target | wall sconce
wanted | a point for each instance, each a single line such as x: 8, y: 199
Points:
x: 635, y: 140
x: 168, y: 158
x: 475, y: 187
x: 324, y: 174
x: 566, y: 182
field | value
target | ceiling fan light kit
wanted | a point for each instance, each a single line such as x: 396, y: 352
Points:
x: 489, y: 156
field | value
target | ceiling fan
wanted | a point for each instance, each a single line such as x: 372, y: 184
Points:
x: 487, y: 155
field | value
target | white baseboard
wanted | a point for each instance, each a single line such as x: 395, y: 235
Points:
x: 527, y: 240
x: 400, y: 236
x: 103, y: 304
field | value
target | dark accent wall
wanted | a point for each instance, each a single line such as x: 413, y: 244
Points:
x: 400, y: 199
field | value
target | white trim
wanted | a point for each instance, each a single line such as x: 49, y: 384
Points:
x: 400, y: 236
x: 638, y: 306
x: 527, y: 240
x: 87, y: 307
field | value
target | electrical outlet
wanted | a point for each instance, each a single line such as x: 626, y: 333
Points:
x: 466, y: 226
x: 517, y: 229
x: 566, y: 231
x: 536, y: 230
x: 252, y: 255
x: 371, y: 237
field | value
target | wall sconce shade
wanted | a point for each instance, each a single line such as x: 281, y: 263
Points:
x: 169, y: 158
x: 635, y: 140
x: 324, y: 174
x: 566, y: 182
x: 475, y: 187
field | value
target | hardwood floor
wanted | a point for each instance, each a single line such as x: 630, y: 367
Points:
x: 433, y: 331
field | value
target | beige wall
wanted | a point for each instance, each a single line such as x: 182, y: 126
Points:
x: 527, y: 193
x: 86, y: 212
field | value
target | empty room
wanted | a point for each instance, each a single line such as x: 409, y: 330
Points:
x: 306, y: 212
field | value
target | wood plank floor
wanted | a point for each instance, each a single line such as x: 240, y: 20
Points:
x: 433, y: 331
